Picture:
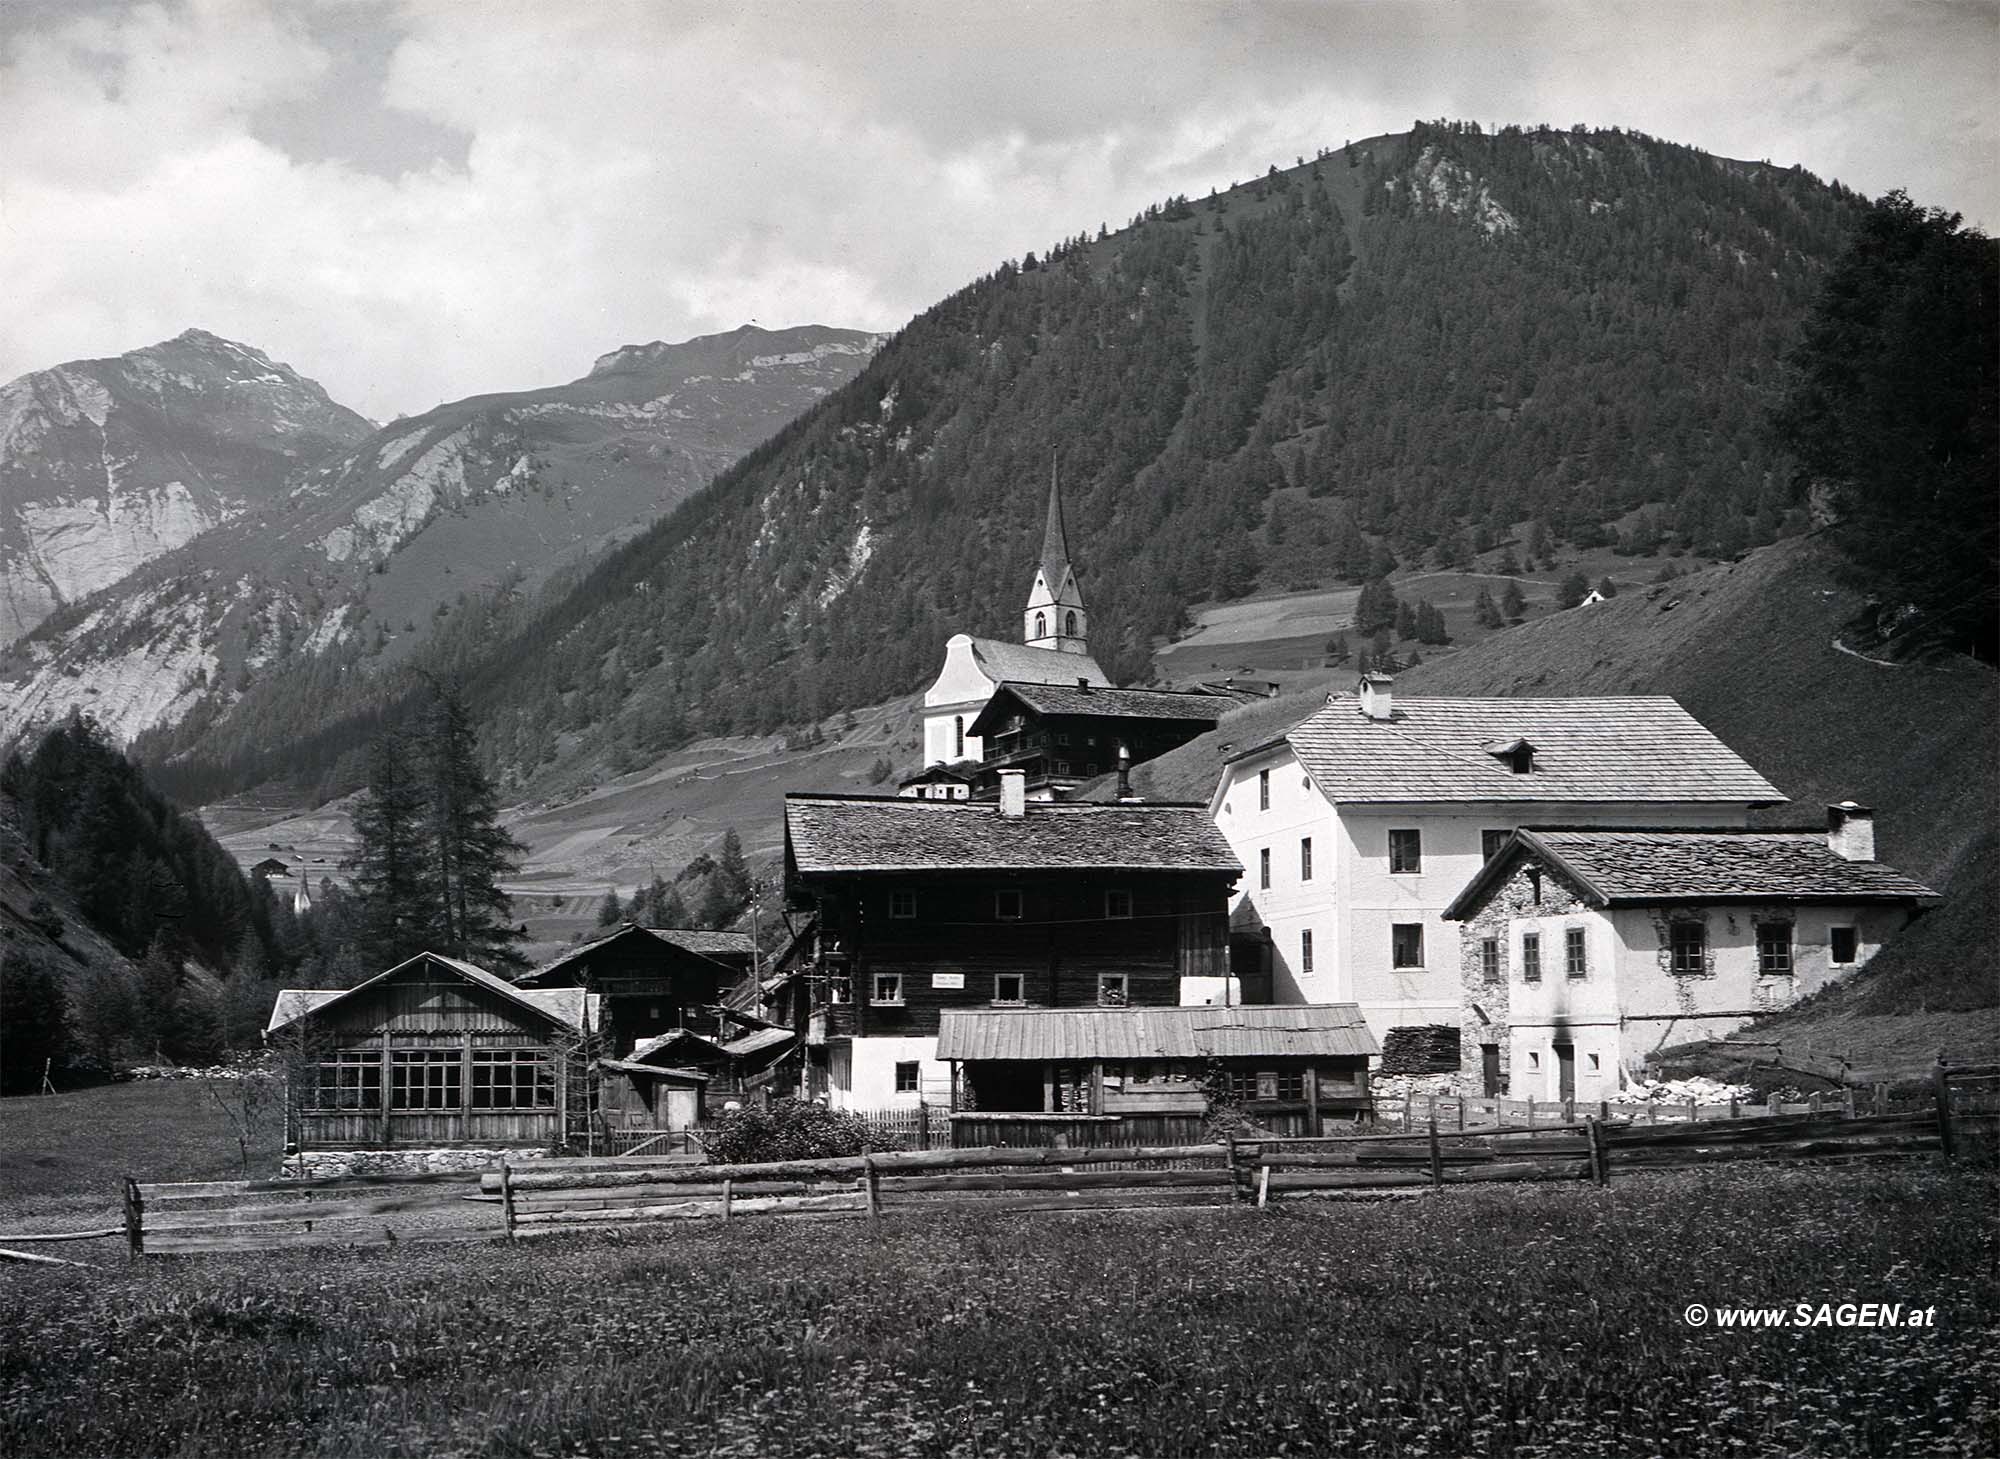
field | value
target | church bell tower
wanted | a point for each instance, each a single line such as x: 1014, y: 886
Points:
x: 1055, y: 617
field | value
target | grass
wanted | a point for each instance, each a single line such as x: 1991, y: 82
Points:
x: 72, y: 1151
x: 1532, y: 1322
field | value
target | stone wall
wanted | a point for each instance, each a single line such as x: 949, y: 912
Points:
x: 1484, y: 1006
x: 327, y: 1164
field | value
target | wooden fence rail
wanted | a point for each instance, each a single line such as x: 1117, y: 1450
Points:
x: 553, y: 1197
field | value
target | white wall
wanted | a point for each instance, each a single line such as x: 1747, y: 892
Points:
x: 1353, y: 899
x: 868, y: 1081
x: 961, y: 688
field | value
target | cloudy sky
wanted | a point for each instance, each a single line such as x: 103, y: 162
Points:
x: 417, y: 201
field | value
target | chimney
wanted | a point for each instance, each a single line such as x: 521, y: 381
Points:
x: 1013, y: 794
x: 1124, y: 773
x: 1377, y: 698
x: 1850, y: 831
x: 1083, y: 684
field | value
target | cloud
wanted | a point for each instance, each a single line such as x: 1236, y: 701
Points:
x: 418, y: 202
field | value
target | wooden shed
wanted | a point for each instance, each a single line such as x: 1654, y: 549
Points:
x: 434, y: 1052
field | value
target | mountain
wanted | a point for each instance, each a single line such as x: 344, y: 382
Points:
x: 341, y: 568
x: 1405, y: 352
x: 107, y: 464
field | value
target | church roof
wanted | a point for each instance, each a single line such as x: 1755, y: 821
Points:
x: 1055, y: 543
x: 1003, y: 661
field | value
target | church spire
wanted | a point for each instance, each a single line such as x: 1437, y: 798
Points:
x: 1055, y: 617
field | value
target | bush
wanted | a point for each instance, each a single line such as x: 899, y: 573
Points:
x: 793, y: 1130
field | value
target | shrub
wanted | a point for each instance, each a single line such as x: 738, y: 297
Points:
x: 791, y: 1129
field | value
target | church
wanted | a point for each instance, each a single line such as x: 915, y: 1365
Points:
x: 985, y: 709
x: 1054, y: 649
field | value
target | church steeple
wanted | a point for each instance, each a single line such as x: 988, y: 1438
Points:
x: 1055, y: 617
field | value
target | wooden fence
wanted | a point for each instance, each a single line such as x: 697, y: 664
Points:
x: 568, y: 1196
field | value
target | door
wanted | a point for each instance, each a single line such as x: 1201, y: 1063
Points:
x: 1565, y: 1071
x: 1489, y: 1070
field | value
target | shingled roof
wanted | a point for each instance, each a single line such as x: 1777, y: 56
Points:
x: 1630, y: 749
x: 567, y: 1006
x: 1072, y: 698
x: 1329, y: 1030
x: 705, y: 944
x: 1017, y: 663
x: 835, y: 833
x: 1647, y: 868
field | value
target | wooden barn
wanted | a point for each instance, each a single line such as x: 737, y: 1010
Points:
x: 652, y: 980
x: 1149, y: 1076
x: 434, y: 1052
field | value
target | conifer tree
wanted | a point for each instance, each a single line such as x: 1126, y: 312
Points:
x: 393, y: 877
x: 1512, y: 603
x: 610, y: 912
x: 468, y: 849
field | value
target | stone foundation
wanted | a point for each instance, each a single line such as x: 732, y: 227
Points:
x: 326, y: 1164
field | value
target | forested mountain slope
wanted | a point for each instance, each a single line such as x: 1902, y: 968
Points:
x: 107, y: 464
x: 284, y: 614
x: 1390, y: 353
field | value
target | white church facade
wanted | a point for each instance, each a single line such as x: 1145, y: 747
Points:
x: 1054, y: 649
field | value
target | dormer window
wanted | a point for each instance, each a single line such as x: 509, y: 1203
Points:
x: 1517, y: 754
x: 1041, y: 625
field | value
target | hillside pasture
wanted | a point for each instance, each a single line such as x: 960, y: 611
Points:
x: 1541, y: 1321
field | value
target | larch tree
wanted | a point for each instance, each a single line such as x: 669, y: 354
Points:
x: 468, y: 849
x: 393, y: 874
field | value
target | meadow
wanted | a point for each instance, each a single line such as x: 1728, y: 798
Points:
x: 1528, y: 1321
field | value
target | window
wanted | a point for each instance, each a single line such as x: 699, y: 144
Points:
x: 1062, y: 739
x: 1089, y: 767
x: 426, y: 1079
x: 1490, y: 843
x: 1069, y: 624
x: 1575, y: 962
x: 512, y: 1079
x: 1041, y: 625
x: 1306, y: 951
x: 1305, y: 858
x: 888, y: 988
x: 1489, y: 960
x: 1269, y: 1085
x: 903, y: 905
x: 1264, y: 869
x: 958, y: 736
x: 906, y: 1077
x: 1774, y: 949
x: 1113, y: 990
x: 1531, y: 957
x: 1007, y: 904
x: 1842, y: 944
x: 1406, y: 851
x: 1687, y: 947
x: 1062, y: 767
x: 1595, y: 1063
x: 1535, y: 884
x: 1406, y: 945
x: 1263, y: 790
x: 1009, y: 988
x: 1534, y: 1060
x: 1117, y: 903
x: 349, y: 1079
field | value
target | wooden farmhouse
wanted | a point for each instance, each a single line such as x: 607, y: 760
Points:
x: 1584, y: 949
x: 434, y: 1052
x: 1068, y: 1075
x: 1061, y: 735
x: 652, y: 980
x: 925, y: 906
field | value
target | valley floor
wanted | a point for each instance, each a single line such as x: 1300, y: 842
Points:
x: 1545, y: 1321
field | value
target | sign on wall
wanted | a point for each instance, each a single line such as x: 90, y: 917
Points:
x: 947, y: 980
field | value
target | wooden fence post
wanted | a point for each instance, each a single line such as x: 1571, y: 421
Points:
x: 1409, y: 1109
x: 1733, y: 1111
x: 1263, y: 1185
x: 1941, y: 1086
x: 135, y: 1219
x: 1531, y: 1111
x: 1694, y: 1111
x: 1461, y: 1114
x: 1812, y: 1104
x: 1847, y: 1101
x: 1235, y: 1171
x: 1594, y: 1132
x: 1882, y: 1097
x: 726, y: 1193
x: 1777, y: 1105
x: 1437, y: 1160
x: 871, y: 1180
x: 507, y: 1197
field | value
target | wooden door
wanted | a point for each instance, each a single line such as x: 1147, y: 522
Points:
x: 1489, y: 1070
x: 1566, y: 1071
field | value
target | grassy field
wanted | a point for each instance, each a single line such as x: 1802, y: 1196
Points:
x: 1543, y: 1321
